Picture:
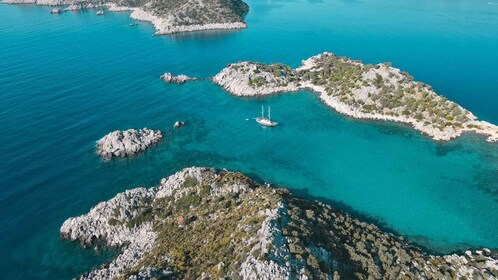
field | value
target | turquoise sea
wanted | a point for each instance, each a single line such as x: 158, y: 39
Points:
x: 67, y: 80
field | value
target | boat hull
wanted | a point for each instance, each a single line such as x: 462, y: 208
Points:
x: 265, y: 122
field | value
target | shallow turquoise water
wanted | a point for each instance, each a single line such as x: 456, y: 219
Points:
x: 67, y: 80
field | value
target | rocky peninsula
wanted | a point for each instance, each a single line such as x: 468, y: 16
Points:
x: 168, y: 17
x: 358, y: 90
x: 201, y: 223
x: 127, y: 143
x: 180, y: 79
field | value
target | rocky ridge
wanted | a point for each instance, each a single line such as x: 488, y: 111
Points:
x: 202, y: 223
x: 180, y: 79
x: 361, y: 91
x: 167, y: 17
x: 127, y: 143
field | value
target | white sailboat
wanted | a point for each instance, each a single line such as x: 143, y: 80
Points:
x: 265, y: 121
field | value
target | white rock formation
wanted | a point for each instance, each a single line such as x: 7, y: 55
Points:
x: 178, y: 124
x: 126, y: 143
x: 180, y: 79
x: 95, y: 226
x: 166, y: 25
x: 235, y: 79
x: 137, y: 240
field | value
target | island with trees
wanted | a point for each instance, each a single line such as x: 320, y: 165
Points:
x: 358, y: 90
x: 168, y: 17
x: 201, y: 223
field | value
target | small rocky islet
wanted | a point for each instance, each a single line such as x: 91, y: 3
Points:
x: 179, y: 79
x: 202, y: 223
x: 358, y: 90
x: 127, y: 143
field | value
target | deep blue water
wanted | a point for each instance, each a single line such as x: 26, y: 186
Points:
x: 67, y: 80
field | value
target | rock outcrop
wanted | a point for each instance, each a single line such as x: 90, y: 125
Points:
x: 378, y: 92
x: 127, y: 143
x: 180, y: 79
x: 206, y: 224
x: 167, y: 16
x: 178, y: 124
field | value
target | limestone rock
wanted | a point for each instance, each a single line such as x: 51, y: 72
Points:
x: 178, y: 124
x: 180, y: 79
x: 201, y: 223
x: 126, y: 143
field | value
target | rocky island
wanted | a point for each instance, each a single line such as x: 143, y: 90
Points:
x: 201, y: 223
x: 378, y: 92
x: 180, y: 79
x: 167, y: 16
x: 126, y: 143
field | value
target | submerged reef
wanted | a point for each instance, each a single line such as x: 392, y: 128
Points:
x: 201, y: 223
x: 167, y: 16
x: 362, y: 91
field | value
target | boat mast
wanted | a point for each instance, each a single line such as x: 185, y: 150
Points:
x: 262, y: 112
x: 269, y: 113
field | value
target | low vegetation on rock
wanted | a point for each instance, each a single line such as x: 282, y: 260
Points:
x: 206, y: 224
x: 361, y: 91
x: 168, y: 17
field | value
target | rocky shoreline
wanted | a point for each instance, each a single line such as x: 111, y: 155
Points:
x: 180, y: 79
x: 204, y: 223
x: 378, y: 92
x: 127, y: 143
x: 166, y: 17
x: 165, y: 27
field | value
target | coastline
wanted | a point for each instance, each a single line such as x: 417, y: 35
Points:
x: 238, y: 79
x: 488, y: 130
x: 205, y: 223
x: 162, y: 26
x: 124, y: 143
x: 456, y: 172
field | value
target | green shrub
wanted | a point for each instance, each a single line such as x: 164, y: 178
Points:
x: 189, y: 182
x: 112, y: 222
x: 185, y: 202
